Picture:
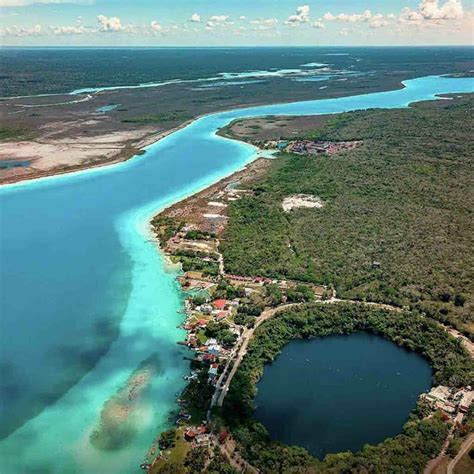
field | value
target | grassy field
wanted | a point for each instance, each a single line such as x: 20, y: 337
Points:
x: 17, y: 133
x: 403, y: 199
x: 175, y: 457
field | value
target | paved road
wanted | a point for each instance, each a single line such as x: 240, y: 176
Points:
x: 222, y: 388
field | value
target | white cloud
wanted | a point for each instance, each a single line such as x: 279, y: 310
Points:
x: 109, y: 23
x: 409, y: 15
x: 302, y: 16
x: 268, y: 22
x: 155, y: 27
x: 431, y: 10
x: 351, y: 17
x: 264, y: 24
x: 378, y: 22
x: 450, y: 10
x: 217, y: 20
x: 19, y: 31
x: 445, y: 19
x: 374, y: 20
x: 70, y: 30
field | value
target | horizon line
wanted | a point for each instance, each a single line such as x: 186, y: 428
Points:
x: 2, y: 46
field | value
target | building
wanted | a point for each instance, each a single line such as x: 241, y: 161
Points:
x: 238, y: 277
x: 261, y: 280
x: 220, y: 304
x: 441, y: 398
x: 192, y: 433
x: 466, y: 401
x: 213, y: 370
x: 214, y: 349
x: 206, y: 308
x: 438, y: 394
x: 209, y: 357
x: 202, y: 441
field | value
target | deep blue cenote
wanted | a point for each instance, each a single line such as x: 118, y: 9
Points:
x: 85, y: 297
x: 340, y: 392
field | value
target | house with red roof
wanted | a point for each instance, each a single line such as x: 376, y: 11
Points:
x: 220, y: 304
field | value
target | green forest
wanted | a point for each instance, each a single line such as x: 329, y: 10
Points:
x: 403, y: 199
x: 421, y: 438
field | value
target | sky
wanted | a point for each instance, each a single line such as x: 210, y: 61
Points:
x: 235, y: 23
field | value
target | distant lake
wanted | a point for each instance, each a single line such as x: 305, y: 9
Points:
x: 340, y: 392
x: 107, y: 108
x: 13, y: 164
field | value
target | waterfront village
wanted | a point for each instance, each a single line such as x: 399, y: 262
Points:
x: 222, y: 312
x: 308, y: 147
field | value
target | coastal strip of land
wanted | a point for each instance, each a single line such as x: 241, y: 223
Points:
x: 33, y: 159
x: 226, y: 306
x: 43, y: 138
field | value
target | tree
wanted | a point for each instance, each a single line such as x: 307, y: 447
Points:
x: 167, y: 439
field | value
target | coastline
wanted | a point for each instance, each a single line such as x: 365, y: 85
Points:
x: 142, y: 144
x: 230, y: 451
x: 120, y: 157
x: 133, y: 151
x: 181, y: 198
x: 205, y: 194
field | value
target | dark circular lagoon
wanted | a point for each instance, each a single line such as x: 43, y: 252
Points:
x: 340, y: 392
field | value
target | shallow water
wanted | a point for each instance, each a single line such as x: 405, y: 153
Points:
x: 340, y: 392
x: 86, y: 297
x: 107, y: 108
x: 14, y: 164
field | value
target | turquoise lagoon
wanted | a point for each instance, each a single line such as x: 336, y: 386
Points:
x: 85, y: 296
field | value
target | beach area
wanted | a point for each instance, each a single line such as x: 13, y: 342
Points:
x: 52, y: 156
